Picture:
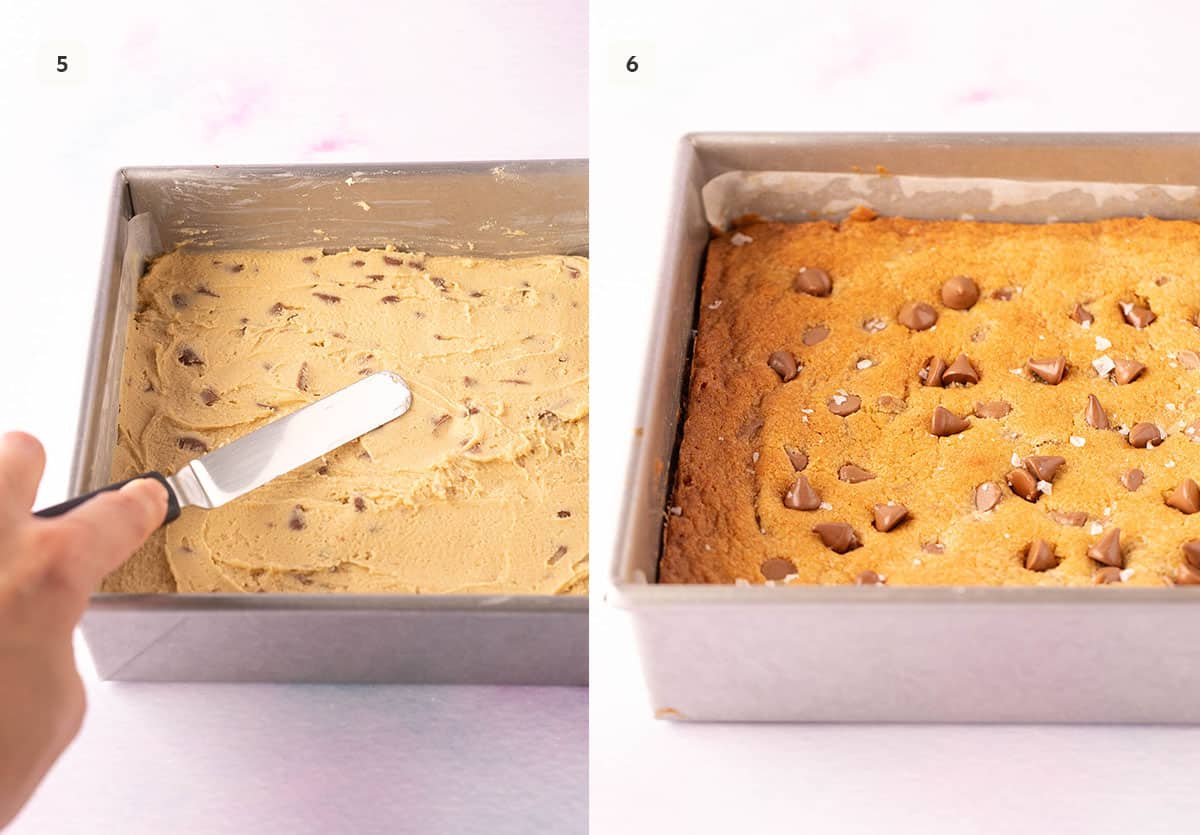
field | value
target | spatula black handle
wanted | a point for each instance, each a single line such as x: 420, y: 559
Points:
x: 172, y: 499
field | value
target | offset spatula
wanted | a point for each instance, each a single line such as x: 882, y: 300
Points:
x: 279, y: 447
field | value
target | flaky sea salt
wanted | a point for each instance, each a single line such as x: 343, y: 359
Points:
x: 1168, y: 464
x: 874, y: 325
x: 1078, y: 441
x: 1016, y: 460
x: 715, y: 304
x: 1126, y: 573
x: 1102, y: 344
x: 861, y: 364
x: 1045, y: 487
x: 738, y: 581
x: 1095, y: 529
x: 738, y: 239
x: 826, y: 506
x: 1103, y: 365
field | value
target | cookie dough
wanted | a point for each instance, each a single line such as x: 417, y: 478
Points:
x: 915, y: 402
x: 481, y: 487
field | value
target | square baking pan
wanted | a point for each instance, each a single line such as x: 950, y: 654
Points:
x: 897, y: 654
x: 443, y: 209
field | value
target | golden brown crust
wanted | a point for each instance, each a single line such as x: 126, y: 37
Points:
x: 728, y: 517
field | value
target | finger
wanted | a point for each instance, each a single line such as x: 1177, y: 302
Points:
x: 22, y: 461
x: 104, y: 531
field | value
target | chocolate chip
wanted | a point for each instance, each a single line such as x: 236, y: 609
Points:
x: 960, y: 372
x: 944, y: 422
x: 390, y: 299
x: 302, y: 377
x: 844, y: 405
x: 323, y: 469
x: 205, y: 291
x: 189, y: 357
x: 328, y: 298
x: 917, y: 316
x: 1045, y: 467
x: 190, y: 444
x: 868, y: 578
x: 1106, y: 575
x: 439, y: 283
x: 1189, y: 360
x: 358, y: 263
x: 1004, y: 294
x: 992, y: 410
x: 468, y: 381
x: 297, y: 521
x: 376, y: 276
x: 891, y: 405
x: 1191, y: 553
x: 1094, y: 414
x: 1082, y: 316
x: 1024, y: 484
x: 564, y: 514
x: 1126, y: 371
x: 987, y: 496
x: 1186, y: 498
x: 777, y: 568
x: 394, y: 262
x: 813, y: 281
x: 801, y: 495
x: 1132, y: 479
x: 798, y: 457
x: 360, y: 504
x: 440, y: 421
x: 209, y: 396
x: 179, y: 300
x: 815, y: 334
x: 308, y: 259
x: 276, y: 309
x: 888, y: 516
x: 1144, y: 435
x: 837, y: 536
x: 933, y: 547
x: 960, y: 293
x: 1039, y: 556
x: 854, y: 474
x: 1108, y: 549
x: 514, y: 381
x: 783, y: 363
x: 931, y: 373
x: 1137, y: 315
x: 1073, y: 518
x: 1186, y: 575
x: 1048, y: 370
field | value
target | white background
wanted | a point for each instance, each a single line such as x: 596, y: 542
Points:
x: 848, y: 66
x: 270, y: 82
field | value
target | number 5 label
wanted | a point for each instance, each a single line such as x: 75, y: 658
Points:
x: 61, y: 63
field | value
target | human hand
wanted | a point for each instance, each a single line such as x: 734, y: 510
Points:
x: 48, y: 569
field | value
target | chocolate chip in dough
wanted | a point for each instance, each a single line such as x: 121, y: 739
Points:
x: 1186, y: 497
x: 917, y: 316
x: 390, y: 300
x: 890, y: 404
x: 783, y: 363
x: 992, y: 410
x: 987, y: 496
x: 1126, y: 371
x: 1107, y: 549
x: 1107, y: 574
x: 1024, y: 484
x: 931, y: 373
x: 297, y: 520
x: 1039, y: 556
x: 869, y: 578
x: 889, y: 515
x: 944, y: 422
x: 815, y: 334
x: 854, y: 474
x: 209, y: 396
x: 801, y: 495
x: 1004, y: 294
x: 1189, y: 360
x: 1045, y: 467
x: 1071, y: 518
x: 1185, y: 575
x: 276, y: 309
x: 328, y: 298
x: 960, y: 293
x: 1081, y: 315
x: 204, y: 290
x: 189, y: 357
x: 844, y: 405
x: 838, y: 537
x: 1049, y: 370
x: 302, y: 377
x: 813, y: 281
x: 1191, y: 553
x: 308, y: 259
x: 190, y: 444
x: 777, y: 568
x: 1144, y: 435
x: 1132, y: 479
x: 797, y: 457
x: 360, y: 504
x: 1137, y: 315
x: 1094, y: 414
x: 960, y: 372
x: 179, y: 300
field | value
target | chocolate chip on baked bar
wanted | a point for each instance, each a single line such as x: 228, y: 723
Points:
x: 1126, y: 371
x: 1071, y: 518
x: 960, y: 293
x: 960, y: 372
x: 1094, y: 414
x: 944, y: 422
x: 992, y: 410
x: 797, y: 457
x: 1186, y: 497
x: 1049, y: 370
x: 1185, y: 575
x: 854, y: 473
x: 1024, y: 484
x: 801, y: 495
x: 189, y: 357
x: 838, y: 537
x: 815, y: 334
x: 1039, y: 556
x: 190, y: 444
x: 777, y: 568
x: 888, y: 515
x: 783, y: 363
x: 987, y: 496
x: 931, y: 373
x: 1189, y: 360
x: 869, y: 578
x: 1143, y: 435
x: 844, y: 405
x: 328, y: 298
x: 917, y: 316
x: 209, y: 396
x: 1191, y: 553
x: 297, y: 520
x: 1107, y: 549
x: 1138, y: 315
x: 813, y: 281
x: 1082, y: 316
x: 302, y: 377
x: 1107, y: 574
x: 1045, y: 467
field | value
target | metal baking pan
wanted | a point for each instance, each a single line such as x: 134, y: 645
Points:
x: 901, y: 654
x: 442, y: 209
